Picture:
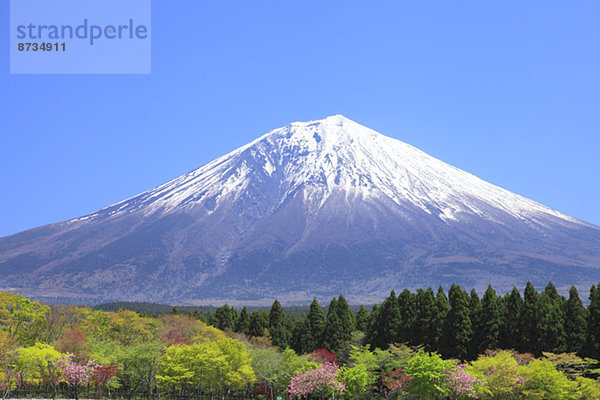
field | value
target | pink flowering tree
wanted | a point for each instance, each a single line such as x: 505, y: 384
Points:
x: 462, y: 384
x: 322, y: 381
x: 77, y: 375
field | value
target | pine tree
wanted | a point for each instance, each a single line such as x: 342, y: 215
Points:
x: 442, y: 308
x: 315, y: 325
x: 513, y: 307
x: 458, y: 331
x: 243, y: 323
x: 259, y: 321
x: 475, y: 309
x: 279, y: 330
x: 529, y: 322
x: 362, y: 319
x: 340, y: 324
x: 406, y: 304
x: 224, y: 318
x: 552, y: 321
x: 387, y: 322
x: 491, y: 320
x: 301, y: 340
x: 575, y: 322
x: 424, y: 328
x: 593, y: 323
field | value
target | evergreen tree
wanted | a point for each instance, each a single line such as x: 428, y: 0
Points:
x: 406, y: 304
x: 315, y: 326
x: 491, y: 320
x: 424, y: 326
x: 575, y: 322
x: 552, y: 321
x: 513, y: 307
x: 243, y: 322
x: 529, y: 322
x: 458, y: 331
x: 340, y: 324
x: 302, y: 340
x: 362, y: 319
x: 279, y: 329
x: 259, y: 321
x: 387, y: 322
x: 593, y: 323
x: 475, y: 309
x: 442, y: 308
x: 224, y: 318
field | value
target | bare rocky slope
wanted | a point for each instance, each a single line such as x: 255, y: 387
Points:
x: 311, y: 209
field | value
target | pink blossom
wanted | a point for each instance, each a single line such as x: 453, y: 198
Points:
x: 461, y: 382
x: 321, y: 380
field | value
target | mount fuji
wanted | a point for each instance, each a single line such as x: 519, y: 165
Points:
x: 313, y: 209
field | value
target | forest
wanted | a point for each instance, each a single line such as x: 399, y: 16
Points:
x: 415, y: 345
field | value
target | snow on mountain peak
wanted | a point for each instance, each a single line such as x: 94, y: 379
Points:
x: 331, y: 155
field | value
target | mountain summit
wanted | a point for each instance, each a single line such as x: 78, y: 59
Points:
x: 311, y: 209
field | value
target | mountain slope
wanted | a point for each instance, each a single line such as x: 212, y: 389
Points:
x: 310, y: 209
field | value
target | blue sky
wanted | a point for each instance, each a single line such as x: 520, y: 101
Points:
x: 509, y: 91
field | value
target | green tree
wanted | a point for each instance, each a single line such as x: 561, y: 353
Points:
x: 575, y: 322
x: 458, y: 331
x: 362, y: 319
x: 424, y: 326
x: 40, y: 363
x: 552, y: 332
x: 475, y: 310
x: 243, y: 322
x: 593, y: 323
x: 491, y: 320
x: 529, y: 322
x: 442, y: 308
x: 23, y: 319
x: 513, y: 308
x: 406, y: 304
x: 340, y: 324
x: 386, y: 323
x: 259, y: 321
x: 224, y: 318
x: 427, y: 371
x: 315, y: 325
x: 279, y: 329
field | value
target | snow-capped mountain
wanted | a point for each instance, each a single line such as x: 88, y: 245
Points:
x: 311, y: 209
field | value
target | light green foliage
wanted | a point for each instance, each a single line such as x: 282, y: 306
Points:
x: 23, y: 319
x: 220, y: 365
x: 499, y: 372
x: 360, y: 375
x: 276, y: 368
x: 39, y: 363
x: 427, y: 372
x: 544, y: 381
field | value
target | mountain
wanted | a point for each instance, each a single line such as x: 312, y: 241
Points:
x: 311, y: 209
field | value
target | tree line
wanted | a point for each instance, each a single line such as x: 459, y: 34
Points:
x: 458, y: 324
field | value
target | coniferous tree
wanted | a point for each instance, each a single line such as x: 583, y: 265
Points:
x: 346, y: 316
x: 491, y: 320
x: 362, y: 319
x: 224, y: 318
x: 575, y: 322
x: 552, y: 321
x: 424, y: 328
x: 259, y: 321
x: 243, y: 322
x: 458, y: 331
x: 387, y: 322
x: 442, y: 308
x: 279, y: 329
x: 315, y: 326
x: 475, y: 310
x: 513, y: 307
x: 529, y: 322
x: 333, y: 327
x: 593, y: 323
x: 301, y: 340
x: 406, y: 304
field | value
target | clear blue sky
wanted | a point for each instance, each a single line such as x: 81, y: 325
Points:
x: 509, y: 91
